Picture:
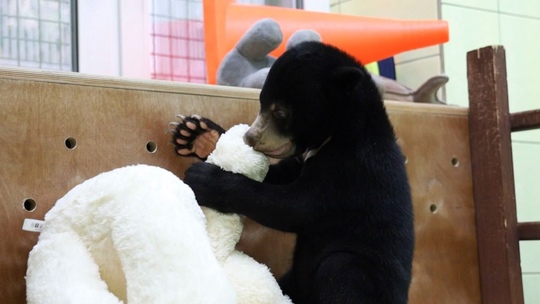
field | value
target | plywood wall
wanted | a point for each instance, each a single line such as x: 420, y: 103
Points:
x: 59, y: 129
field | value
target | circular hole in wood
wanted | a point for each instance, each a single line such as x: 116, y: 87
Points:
x: 151, y: 147
x: 71, y: 143
x: 455, y: 161
x: 433, y: 208
x: 29, y: 205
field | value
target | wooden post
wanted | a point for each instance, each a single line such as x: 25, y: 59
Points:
x: 493, y: 177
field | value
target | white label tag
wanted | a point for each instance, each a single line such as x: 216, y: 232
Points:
x: 33, y: 225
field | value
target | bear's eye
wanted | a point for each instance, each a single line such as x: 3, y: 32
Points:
x: 280, y: 114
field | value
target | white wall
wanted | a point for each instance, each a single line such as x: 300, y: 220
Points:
x: 317, y: 5
x: 98, y: 37
x: 114, y: 37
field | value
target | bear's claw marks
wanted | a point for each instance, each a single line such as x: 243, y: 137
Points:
x: 195, y: 136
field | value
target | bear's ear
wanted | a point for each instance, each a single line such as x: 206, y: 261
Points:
x: 347, y: 77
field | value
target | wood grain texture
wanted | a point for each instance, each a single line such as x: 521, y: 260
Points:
x: 435, y: 143
x: 113, y: 119
x: 493, y: 177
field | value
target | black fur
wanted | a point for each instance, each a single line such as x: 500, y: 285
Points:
x: 349, y: 204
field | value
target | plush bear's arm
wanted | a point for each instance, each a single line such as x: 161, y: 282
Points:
x: 255, y: 80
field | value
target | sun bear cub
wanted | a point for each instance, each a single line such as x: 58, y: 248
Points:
x: 340, y: 185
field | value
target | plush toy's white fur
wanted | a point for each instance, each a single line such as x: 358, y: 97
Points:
x: 137, y: 226
x: 137, y: 235
x: 252, y: 281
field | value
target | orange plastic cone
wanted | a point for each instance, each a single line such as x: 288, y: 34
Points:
x: 367, y: 39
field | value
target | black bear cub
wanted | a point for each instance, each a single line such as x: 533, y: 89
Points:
x: 341, y: 184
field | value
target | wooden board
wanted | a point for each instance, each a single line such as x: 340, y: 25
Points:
x: 436, y: 143
x: 110, y: 122
x: 494, y: 192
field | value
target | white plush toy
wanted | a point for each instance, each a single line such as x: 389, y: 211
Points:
x: 253, y: 282
x: 137, y: 235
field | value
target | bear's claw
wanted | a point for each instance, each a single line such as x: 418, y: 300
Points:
x: 195, y: 136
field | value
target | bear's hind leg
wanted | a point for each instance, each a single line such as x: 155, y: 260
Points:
x: 341, y: 278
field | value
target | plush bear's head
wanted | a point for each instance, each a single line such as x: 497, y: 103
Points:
x: 234, y: 155
x: 248, y: 63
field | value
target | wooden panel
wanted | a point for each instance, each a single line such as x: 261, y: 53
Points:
x: 435, y: 142
x: 113, y: 119
x: 493, y: 177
